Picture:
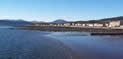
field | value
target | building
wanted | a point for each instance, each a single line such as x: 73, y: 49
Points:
x: 114, y: 24
x: 99, y: 25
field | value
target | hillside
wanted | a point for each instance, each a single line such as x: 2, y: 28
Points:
x: 14, y: 22
x: 113, y: 19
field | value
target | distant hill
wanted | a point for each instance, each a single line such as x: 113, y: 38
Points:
x: 59, y: 21
x: 113, y: 19
x: 109, y: 19
x: 14, y: 22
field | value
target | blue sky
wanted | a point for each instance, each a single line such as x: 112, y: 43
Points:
x: 49, y: 10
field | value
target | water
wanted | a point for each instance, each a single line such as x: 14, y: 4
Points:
x: 5, y: 27
x: 27, y: 44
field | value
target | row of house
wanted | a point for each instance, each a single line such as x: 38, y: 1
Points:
x: 84, y: 24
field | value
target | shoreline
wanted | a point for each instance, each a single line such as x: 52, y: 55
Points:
x: 92, y: 30
x: 71, y: 29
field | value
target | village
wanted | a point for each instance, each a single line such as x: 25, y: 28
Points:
x: 93, y: 24
x: 94, y: 27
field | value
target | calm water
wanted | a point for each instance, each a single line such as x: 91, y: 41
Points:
x: 26, y: 44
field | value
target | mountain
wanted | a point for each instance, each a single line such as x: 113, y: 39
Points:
x: 59, y: 21
x: 14, y: 22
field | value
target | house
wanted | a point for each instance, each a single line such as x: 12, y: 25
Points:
x: 66, y: 24
x: 90, y: 25
x: 98, y: 25
x: 114, y: 24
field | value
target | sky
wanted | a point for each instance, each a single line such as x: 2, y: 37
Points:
x: 50, y: 10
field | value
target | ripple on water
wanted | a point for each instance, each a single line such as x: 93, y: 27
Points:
x: 23, y: 44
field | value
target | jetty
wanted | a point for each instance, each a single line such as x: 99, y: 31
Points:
x: 106, y: 33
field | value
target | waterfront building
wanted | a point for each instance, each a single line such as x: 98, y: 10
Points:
x: 66, y: 24
x: 114, y: 24
x: 90, y: 25
x: 98, y: 25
